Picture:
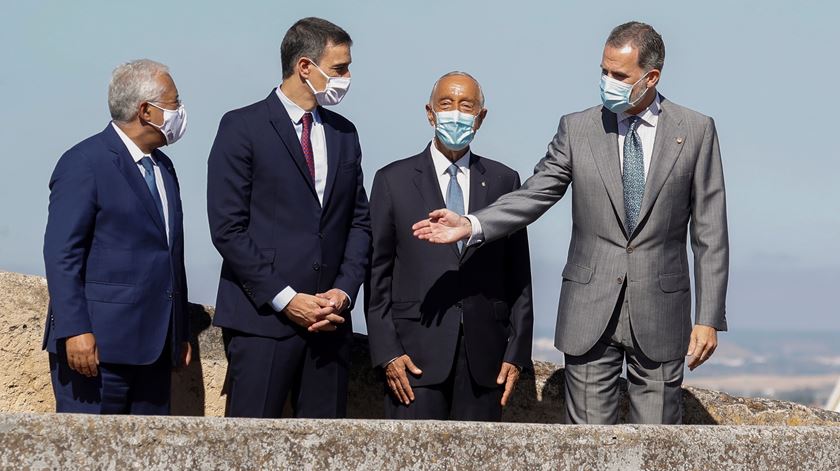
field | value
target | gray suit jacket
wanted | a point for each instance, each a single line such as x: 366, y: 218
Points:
x: 684, y: 187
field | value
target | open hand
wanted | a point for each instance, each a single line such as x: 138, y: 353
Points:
x: 398, y: 380
x: 443, y: 227
x: 508, y: 376
x: 702, y: 346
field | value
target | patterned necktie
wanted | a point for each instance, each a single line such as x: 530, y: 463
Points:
x: 634, y: 174
x: 454, y: 196
x: 306, y: 144
x: 149, y: 166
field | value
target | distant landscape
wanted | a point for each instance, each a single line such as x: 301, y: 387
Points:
x: 802, y: 367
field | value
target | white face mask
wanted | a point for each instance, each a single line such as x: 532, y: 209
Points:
x: 174, y: 123
x: 335, y: 89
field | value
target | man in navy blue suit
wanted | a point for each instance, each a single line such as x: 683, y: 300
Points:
x: 114, y: 255
x: 288, y: 213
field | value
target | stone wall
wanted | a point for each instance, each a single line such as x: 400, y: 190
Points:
x: 25, y: 387
x: 31, y: 441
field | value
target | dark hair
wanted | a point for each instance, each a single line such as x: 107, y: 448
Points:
x: 644, y: 38
x: 308, y: 38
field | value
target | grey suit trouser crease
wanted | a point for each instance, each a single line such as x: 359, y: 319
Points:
x: 592, y: 379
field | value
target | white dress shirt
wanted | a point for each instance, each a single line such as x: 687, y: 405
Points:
x: 647, y: 134
x: 442, y: 165
x: 138, y: 154
x: 319, y: 154
x: 646, y: 129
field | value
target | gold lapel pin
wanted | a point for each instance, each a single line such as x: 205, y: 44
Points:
x: 483, y: 184
x: 679, y: 140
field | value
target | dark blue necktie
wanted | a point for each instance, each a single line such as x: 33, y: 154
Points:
x: 634, y: 175
x: 454, y: 195
x: 149, y: 175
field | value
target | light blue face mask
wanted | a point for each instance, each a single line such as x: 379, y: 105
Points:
x: 454, y: 129
x: 616, y: 95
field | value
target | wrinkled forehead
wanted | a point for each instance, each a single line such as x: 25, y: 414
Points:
x: 457, y: 86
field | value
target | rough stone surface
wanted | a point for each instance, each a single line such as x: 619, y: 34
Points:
x: 32, y: 441
x: 25, y: 387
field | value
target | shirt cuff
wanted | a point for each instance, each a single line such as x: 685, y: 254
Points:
x: 389, y: 361
x: 283, y: 299
x: 476, y: 234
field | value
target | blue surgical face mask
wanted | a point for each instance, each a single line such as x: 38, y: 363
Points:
x: 616, y: 95
x: 454, y: 129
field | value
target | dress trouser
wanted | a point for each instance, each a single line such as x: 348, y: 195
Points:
x: 457, y: 398
x: 655, y: 388
x: 263, y: 372
x: 117, y: 389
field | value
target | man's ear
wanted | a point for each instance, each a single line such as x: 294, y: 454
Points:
x: 430, y: 114
x: 144, y: 111
x: 653, y: 78
x: 304, y: 67
x: 479, y: 119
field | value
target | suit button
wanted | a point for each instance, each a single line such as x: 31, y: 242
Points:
x: 629, y: 249
x: 316, y: 266
x: 320, y: 235
x: 459, y: 305
x: 620, y: 280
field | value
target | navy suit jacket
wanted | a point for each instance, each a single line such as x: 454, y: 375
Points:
x: 110, y: 270
x: 420, y: 292
x: 266, y: 220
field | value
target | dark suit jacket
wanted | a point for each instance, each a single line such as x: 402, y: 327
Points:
x: 266, y: 220
x: 109, y: 268
x: 420, y: 291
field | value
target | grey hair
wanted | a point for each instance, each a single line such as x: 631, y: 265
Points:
x: 131, y: 84
x: 462, y: 74
x: 644, y: 38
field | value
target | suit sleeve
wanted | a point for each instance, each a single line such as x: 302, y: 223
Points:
x: 382, y: 335
x: 229, y: 184
x: 185, y: 332
x: 517, y: 209
x: 519, y: 291
x: 354, y: 265
x: 70, y: 225
x: 709, y: 233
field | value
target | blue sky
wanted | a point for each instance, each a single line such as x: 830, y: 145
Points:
x: 764, y: 70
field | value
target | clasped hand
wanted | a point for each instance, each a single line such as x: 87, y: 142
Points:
x: 318, y: 313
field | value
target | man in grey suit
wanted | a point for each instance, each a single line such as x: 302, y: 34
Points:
x: 645, y: 173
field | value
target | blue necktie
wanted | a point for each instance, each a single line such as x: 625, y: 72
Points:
x: 454, y: 196
x: 149, y: 166
x: 634, y: 175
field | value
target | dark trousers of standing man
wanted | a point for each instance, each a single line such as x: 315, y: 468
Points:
x: 263, y: 372
x: 117, y: 389
x: 655, y: 388
x: 457, y: 398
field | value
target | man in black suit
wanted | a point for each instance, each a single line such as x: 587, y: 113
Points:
x: 450, y: 326
x: 289, y: 215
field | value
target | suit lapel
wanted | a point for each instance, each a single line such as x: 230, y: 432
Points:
x: 126, y: 165
x: 427, y: 184
x: 333, y: 153
x: 604, y: 145
x: 478, y: 195
x: 282, y: 124
x: 666, y: 148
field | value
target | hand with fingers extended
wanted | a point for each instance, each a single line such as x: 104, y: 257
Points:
x: 398, y: 380
x: 508, y: 375
x: 443, y: 227
x: 314, y: 313
x: 702, y: 345
x: 83, y: 354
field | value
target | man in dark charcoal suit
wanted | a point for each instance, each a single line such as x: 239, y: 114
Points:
x: 289, y: 215
x: 450, y: 325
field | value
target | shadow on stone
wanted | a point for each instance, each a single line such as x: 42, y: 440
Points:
x: 188, y: 395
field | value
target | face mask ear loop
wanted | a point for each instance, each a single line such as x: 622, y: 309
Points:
x: 638, y: 98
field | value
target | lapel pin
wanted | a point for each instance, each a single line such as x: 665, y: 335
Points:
x: 483, y: 184
x: 679, y: 140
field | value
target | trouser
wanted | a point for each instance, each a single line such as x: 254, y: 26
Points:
x: 457, y: 398
x: 117, y: 389
x: 655, y: 388
x: 263, y: 372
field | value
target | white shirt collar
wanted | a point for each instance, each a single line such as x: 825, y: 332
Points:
x: 135, y: 151
x: 649, y: 116
x: 441, y: 163
x: 295, y: 111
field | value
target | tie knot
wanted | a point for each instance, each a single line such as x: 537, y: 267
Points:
x: 307, y: 119
x: 147, y: 164
x: 633, y: 121
x: 452, y: 170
